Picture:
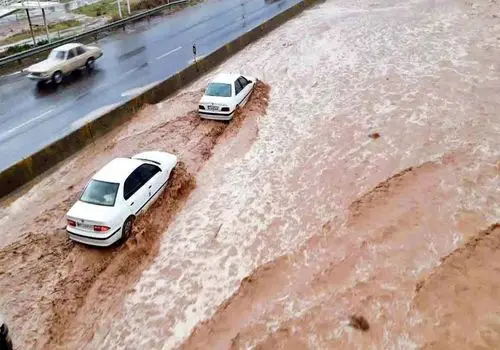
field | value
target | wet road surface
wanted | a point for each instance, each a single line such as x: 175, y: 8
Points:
x: 33, y: 117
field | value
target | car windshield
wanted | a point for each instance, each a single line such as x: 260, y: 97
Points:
x: 100, y: 193
x: 56, y: 55
x: 219, y: 90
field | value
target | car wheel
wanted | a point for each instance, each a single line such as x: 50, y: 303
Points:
x: 90, y: 64
x: 57, y: 77
x: 127, y: 228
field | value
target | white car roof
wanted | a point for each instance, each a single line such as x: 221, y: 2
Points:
x: 225, y: 78
x: 67, y: 47
x: 117, y: 170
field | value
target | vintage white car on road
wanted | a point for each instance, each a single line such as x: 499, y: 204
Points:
x: 64, y: 60
x: 224, y: 94
x: 116, y: 195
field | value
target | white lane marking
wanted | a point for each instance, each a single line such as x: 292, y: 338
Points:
x: 106, y: 85
x: 169, y: 53
x: 27, y: 122
x: 130, y: 71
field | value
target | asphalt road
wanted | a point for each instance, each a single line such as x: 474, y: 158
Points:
x: 33, y: 117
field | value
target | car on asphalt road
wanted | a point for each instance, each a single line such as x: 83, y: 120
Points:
x: 64, y: 60
x: 116, y: 195
x: 224, y: 94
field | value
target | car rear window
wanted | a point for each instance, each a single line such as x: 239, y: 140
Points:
x: 56, y: 55
x: 218, y: 89
x: 100, y: 193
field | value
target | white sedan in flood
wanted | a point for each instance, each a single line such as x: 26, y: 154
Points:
x: 116, y: 195
x: 224, y: 94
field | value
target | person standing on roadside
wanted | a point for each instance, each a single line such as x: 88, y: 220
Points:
x: 5, y: 341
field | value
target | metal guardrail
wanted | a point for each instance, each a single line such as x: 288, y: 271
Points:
x: 117, y: 24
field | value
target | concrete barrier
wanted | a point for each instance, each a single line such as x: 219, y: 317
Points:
x: 29, y: 168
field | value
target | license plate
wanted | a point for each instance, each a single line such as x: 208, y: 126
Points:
x: 213, y: 108
x: 85, y: 226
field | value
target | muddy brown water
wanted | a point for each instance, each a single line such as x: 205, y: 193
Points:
x: 54, y: 289
x: 318, y: 288
x: 300, y: 220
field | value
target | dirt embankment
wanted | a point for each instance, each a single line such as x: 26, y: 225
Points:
x: 53, y: 290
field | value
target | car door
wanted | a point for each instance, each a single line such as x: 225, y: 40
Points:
x: 246, y: 89
x: 152, y: 177
x: 71, y: 61
x: 82, y: 56
x: 238, y: 90
x: 134, y: 192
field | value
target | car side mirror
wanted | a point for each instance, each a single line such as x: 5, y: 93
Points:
x: 250, y: 82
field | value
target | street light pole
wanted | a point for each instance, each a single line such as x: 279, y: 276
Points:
x: 119, y: 8
x: 31, y: 26
x: 44, y: 21
x: 46, y: 26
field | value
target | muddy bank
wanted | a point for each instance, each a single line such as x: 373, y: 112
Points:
x: 55, y: 291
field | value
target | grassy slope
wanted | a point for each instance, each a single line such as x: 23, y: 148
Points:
x: 110, y: 8
x: 25, y: 34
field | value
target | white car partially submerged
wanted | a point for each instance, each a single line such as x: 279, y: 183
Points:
x: 116, y: 195
x: 64, y: 60
x: 224, y: 94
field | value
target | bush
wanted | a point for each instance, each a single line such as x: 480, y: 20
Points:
x: 151, y: 4
x: 97, y: 9
x: 37, y: 30
x: 20, y: 48
x: 114, y: 17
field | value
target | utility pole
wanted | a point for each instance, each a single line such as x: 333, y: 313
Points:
x: 119, y: 8
x: 31, y: 26
x: 29, y: 21
x: 44, y: 21
x: 46, y: 26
